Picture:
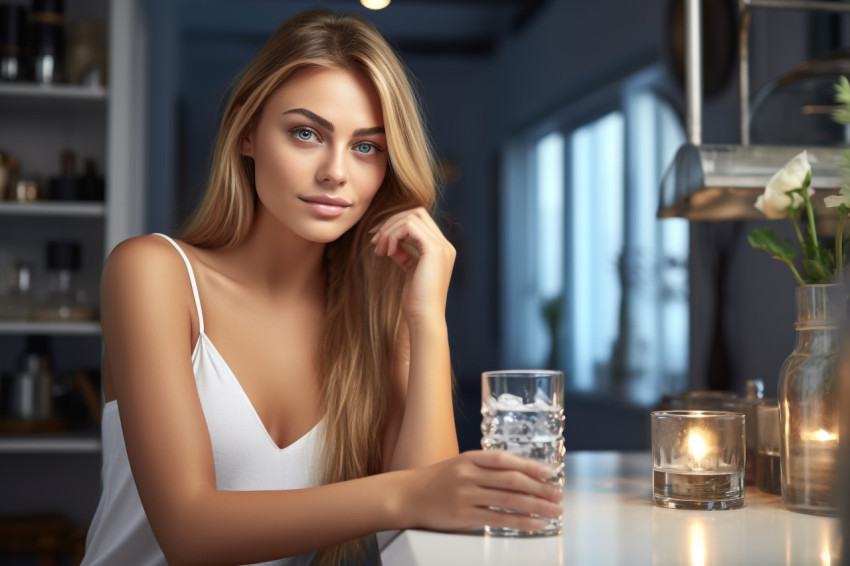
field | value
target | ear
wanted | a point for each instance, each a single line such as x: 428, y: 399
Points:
x: 246, y: 148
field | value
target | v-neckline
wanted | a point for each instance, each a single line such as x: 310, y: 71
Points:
x: 208, y: 341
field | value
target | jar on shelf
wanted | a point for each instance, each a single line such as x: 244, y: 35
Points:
x: 16, y: 302
x: 67, y: 300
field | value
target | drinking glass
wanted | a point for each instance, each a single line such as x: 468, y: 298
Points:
x: 523, y: 413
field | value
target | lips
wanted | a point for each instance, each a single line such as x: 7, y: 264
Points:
x: 326, y: 206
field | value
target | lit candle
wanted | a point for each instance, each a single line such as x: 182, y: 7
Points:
x: 812, y: 473
x: 822, y: 436
x: 698, y: 459
x: 696, y: 451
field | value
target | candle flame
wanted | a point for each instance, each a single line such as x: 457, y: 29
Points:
x: 696, y: 446
x: 826, y: 559
x: 823, y: 436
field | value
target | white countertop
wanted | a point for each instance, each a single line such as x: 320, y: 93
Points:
x: 609, y: 518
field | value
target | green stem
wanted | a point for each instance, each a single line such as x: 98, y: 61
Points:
x: 839, y: 247
x: 810, y: 213
x: 792, y: 215
x: 793, y: 270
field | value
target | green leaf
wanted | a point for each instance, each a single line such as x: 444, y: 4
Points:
x: 766, y: 239
x: 842, y: 97
x: 841, y: 115
x: 816, y: 270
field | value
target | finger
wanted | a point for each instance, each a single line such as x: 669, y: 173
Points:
x: 406, y: 255
x: 507, y: 520
x: 519, y: 502
x: 518, y: 482
x: 501, y: 459
x: 406, y: 228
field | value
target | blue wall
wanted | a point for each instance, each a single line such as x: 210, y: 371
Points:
x: 474, y: 103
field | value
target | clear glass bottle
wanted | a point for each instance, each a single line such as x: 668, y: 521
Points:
x: 17, y: 302
x: 808, y: 404
x: 67, y: 300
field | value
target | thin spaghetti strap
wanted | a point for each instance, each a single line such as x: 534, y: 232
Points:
x: 191, y: 279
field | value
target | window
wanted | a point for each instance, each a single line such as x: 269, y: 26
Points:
x: 593, y: 283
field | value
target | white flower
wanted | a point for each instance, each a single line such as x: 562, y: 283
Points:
x: 843, y: 197
x: 774, y: 202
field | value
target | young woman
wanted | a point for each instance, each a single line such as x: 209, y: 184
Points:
x: 282, y: 372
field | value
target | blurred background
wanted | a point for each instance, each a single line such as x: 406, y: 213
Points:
x: 553, y: 121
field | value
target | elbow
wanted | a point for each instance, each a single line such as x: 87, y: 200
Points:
x: 184, y: 534
x: 182, y: 548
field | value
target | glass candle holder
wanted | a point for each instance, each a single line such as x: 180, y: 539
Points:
x: 698, y: 459
x: 768, y: 474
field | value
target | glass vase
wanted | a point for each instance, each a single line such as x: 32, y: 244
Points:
x: 808, y: 405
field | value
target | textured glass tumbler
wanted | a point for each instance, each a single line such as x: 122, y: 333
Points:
x: 698, y: 459
x: 523, y: 413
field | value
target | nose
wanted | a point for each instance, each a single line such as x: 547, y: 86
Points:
x: 333, y: 168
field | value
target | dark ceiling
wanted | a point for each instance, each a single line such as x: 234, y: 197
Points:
x: 412, y: 26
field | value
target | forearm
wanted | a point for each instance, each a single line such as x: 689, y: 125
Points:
x: 427, y: 433
x: 241, y: 527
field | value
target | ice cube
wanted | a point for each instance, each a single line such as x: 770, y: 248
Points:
x: 506, y: 401
x: 541, y: 400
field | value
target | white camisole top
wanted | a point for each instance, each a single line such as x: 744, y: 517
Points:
x: 246, y: 459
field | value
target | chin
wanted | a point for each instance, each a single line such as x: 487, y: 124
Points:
x: 325, y: 236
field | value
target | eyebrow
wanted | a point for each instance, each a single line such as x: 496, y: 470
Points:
x: 330, y: 127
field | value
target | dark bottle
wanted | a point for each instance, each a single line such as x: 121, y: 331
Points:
x: 13, y: 49
x: 47, y: 33
x: 91, y: 186
x: 64, y: 187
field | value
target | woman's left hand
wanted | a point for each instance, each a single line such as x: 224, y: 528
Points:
x: 414, y: 241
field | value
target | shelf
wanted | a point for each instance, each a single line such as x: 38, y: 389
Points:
x: 76, y: 443
x: 52, y: 93
x: 55, y: 208
x: 52, y: 328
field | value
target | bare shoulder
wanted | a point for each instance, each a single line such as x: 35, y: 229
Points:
x: 146, y: 259
x: 141, y: 274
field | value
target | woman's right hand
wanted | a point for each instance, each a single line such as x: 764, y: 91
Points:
x: 458, y: 493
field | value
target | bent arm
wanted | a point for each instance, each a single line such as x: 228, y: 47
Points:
x: 421, y: 429
x: 147, y: 321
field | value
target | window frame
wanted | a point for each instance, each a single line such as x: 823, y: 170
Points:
x: 519, y: 201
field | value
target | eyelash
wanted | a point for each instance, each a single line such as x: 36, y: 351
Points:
x: 298, y: 130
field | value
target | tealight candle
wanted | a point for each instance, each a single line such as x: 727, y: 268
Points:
x: 812, y: 473
x: 698, y: 459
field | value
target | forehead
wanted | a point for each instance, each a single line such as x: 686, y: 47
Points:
x: 336, y: 94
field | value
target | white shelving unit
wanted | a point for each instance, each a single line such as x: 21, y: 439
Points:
x: 59, y: 472
x: 51, y: 444
x: 60, y: 209
x: 35, y: 328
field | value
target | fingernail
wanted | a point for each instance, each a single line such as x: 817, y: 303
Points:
x: 375, y: 237
x: 374, y: 229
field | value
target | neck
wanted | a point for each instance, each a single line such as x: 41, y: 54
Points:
x: 277, y: 260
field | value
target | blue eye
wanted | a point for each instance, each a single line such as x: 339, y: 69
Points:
x: 364, y: 147
x: 303, y: 134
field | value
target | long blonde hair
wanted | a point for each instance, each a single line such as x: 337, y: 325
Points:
x: 363, y: 292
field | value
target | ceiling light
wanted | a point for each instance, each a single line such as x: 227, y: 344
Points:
x: 375, y: 4
x: 722, y: 182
